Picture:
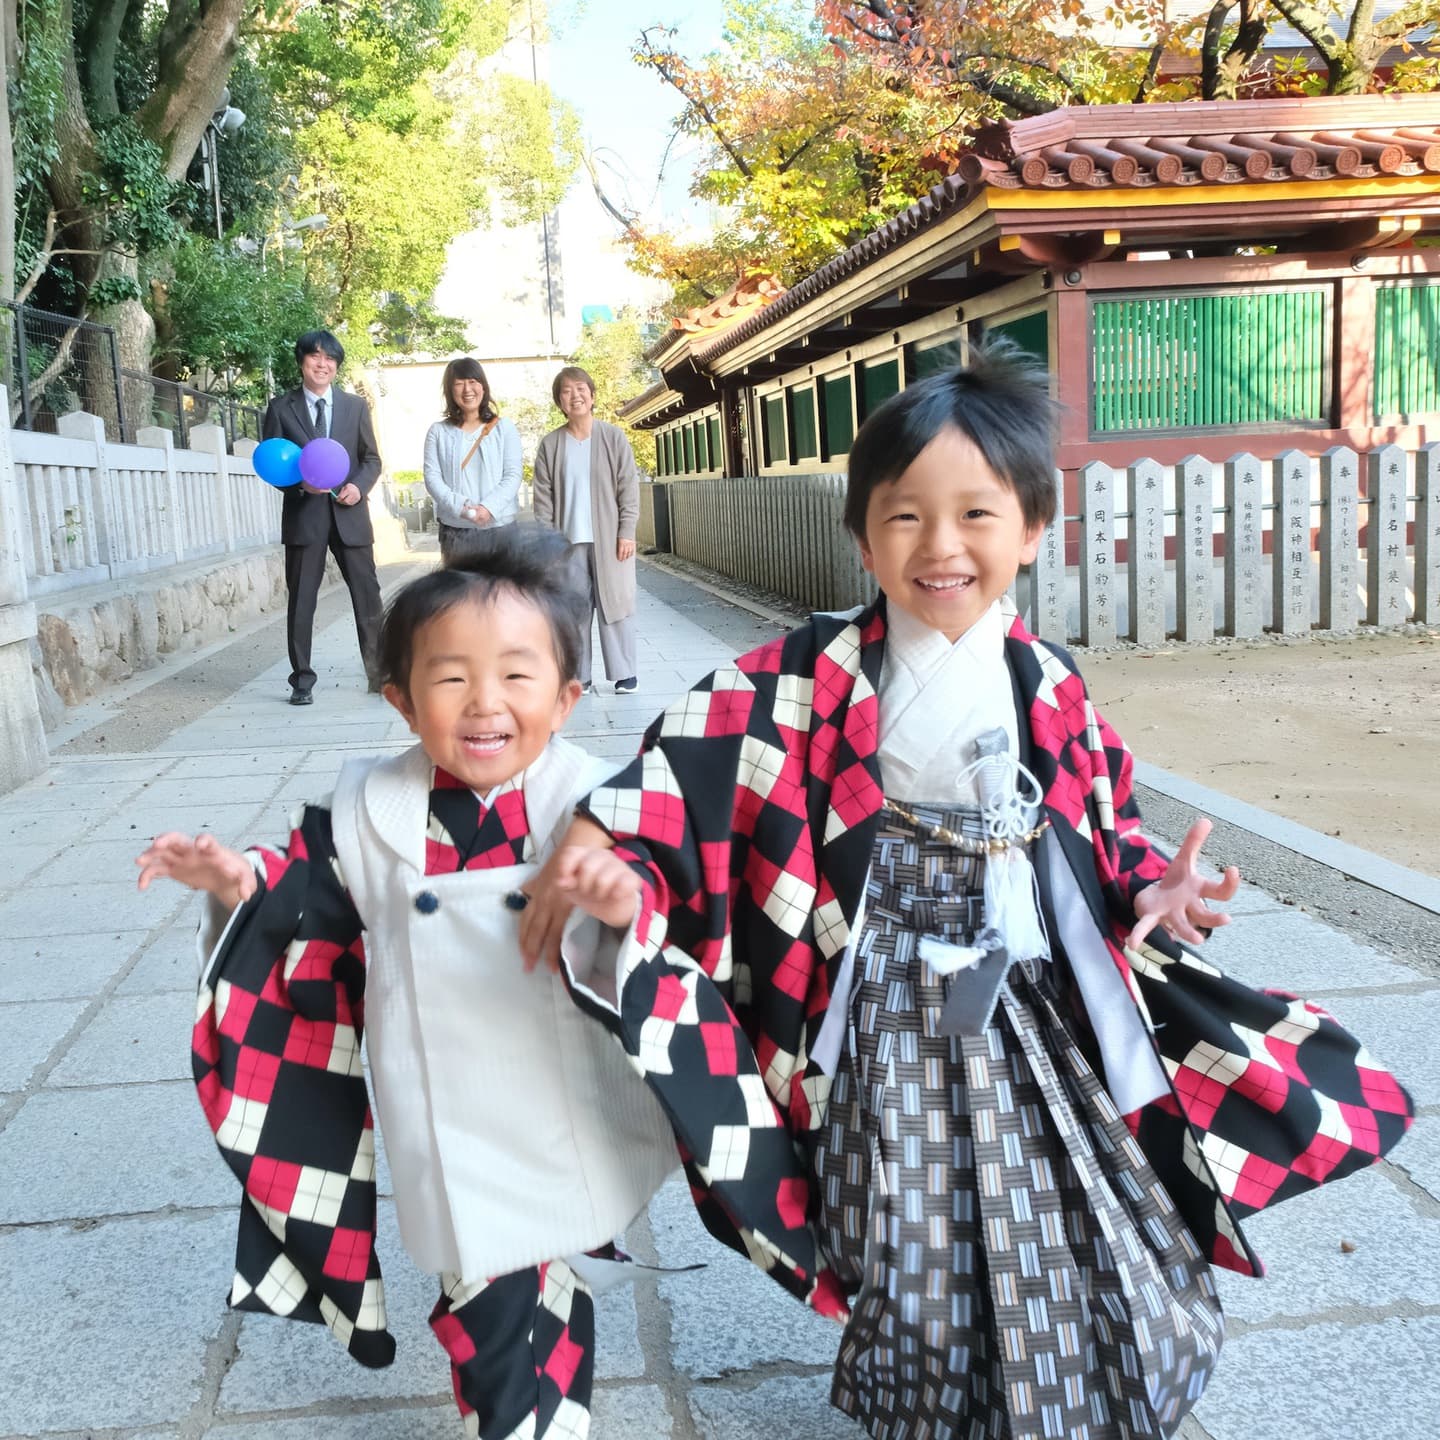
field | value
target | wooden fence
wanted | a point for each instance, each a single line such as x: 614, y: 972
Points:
x: 1196, y: 549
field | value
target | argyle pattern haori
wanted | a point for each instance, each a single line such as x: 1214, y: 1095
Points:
x: 540, y: 1386
x: 276, y: 1059
x: 750, y: 816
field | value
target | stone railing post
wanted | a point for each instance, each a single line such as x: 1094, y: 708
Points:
x: 104, y: 516
x: 1146, y: 569
x: 1244, y: 548
x: 159, y: 437
x: 1290, y: 543
x: 1385, y: 553
x: 1097, y: 554
x: 1339, y: 538
x: 23, y: 751
x: 1195, y: 549
x: 211, y: 440
x: 1427, y: 533
x: 1047, y: 575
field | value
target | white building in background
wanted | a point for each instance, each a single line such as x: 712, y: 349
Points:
x: 525, y: 292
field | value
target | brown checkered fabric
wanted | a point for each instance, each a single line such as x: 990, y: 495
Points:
x: 1018, y: 1269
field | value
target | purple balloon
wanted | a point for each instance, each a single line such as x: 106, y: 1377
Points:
x: 324, y: 463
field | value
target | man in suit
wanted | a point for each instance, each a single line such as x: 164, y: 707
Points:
x: 313, y: 522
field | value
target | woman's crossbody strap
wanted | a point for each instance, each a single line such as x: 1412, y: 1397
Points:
x: 484, y: 431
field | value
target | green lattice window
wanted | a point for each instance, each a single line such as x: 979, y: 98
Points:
x: 713, y: 429
x: 1407, y: 350
x: 802, y: 423
x: 687, y: 441
x: 702, y: 457
x: 659, y: 455
x: 932, y: 359
x: 837, y: 413
x: 774, y: 422
x: 1181, y: 362
x: 1030, y: 332
x: 877, y: 383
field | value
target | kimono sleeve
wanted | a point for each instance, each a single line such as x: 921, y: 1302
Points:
x: 276, y: 1061
x: 697, y: 814
x: 1137, y: 860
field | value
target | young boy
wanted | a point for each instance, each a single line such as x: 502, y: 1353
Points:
x: 997, y: 1109
x: 515, y: 1129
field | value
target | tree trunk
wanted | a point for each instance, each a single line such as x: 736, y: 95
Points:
x: 7, y: 158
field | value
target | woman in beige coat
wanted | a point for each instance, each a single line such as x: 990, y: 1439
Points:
x: 586, y: 488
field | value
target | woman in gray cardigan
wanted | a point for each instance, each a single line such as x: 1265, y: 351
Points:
x: 586, y: 488
x: 472, y: 461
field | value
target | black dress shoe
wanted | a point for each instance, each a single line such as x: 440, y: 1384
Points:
x: 301, y: 697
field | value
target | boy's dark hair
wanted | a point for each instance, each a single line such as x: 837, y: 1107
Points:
x: 537, y: 565
x: 464, y: 368
x: 571, y: 372
x: 1000, y: 401
x: 322, y: 341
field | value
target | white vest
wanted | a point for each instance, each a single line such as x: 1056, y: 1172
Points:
x: 517, y: 1130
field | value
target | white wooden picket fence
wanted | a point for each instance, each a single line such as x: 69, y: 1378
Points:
x: 91, y: 511
x: 1253, y: 545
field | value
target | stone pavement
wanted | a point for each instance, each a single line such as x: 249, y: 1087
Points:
x: 117, y: 1216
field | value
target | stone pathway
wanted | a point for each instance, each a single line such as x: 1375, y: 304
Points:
x: 117, y: 1216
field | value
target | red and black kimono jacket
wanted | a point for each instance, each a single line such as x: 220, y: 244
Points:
x: 275, y: 1053
x: 750, y: 815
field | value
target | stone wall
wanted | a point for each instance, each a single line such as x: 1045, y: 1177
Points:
x: 84, y: 643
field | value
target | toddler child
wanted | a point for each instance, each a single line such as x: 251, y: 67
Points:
x: 516, y: 1131
x: 905, y: 975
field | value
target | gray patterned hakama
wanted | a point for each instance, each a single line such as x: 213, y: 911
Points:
x: 1020, y: 1273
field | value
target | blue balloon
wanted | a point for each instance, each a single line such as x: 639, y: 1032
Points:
x: 277, y: 462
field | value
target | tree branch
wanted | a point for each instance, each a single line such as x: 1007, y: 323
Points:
x: 102, y: 42
x: 1314, y: 25
x: 1401, y: 22
x: 659, y: 62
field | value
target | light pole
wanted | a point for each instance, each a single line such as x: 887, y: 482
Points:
x: 226, y: 120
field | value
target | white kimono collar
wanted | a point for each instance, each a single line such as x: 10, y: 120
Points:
x: 396, y: 796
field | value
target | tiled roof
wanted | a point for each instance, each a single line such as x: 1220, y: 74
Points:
x: 1209, y: 143
x: 1138, y: 147
x: 747, y: 297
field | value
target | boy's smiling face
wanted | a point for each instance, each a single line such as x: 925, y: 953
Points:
x: 947, y: 537
x: 485, y: 692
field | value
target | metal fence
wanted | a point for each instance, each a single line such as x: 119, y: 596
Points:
x: 177, y: 407
x: 1196, y: 549
x: 56, y: 365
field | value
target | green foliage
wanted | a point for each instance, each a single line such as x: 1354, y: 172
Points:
x: 217, y: 309
x: 130, y: 183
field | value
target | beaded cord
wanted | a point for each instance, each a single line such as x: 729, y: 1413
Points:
x: 968, y: 844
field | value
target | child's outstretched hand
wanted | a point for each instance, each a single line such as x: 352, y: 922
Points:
x: 543, y: 919
x: 599, y: 882
x: 1177, y: 901
x: 202, y: 863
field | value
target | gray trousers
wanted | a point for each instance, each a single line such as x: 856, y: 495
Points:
x: 617, y: 640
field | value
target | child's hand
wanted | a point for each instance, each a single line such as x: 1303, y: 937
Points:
x: 600, y: 883
x: 543, y: 919
x: 202, y: 863
x: 1177, y: 901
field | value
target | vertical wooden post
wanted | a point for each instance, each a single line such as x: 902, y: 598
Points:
x: 1244, y: 547
x: 1339, y: 538
x: 1427, y: 534
x: 1097, y: 554
x: 1385, y: 553
x: 1146, y: 568
x: 1195, y: 549
x: 1290, y: 543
